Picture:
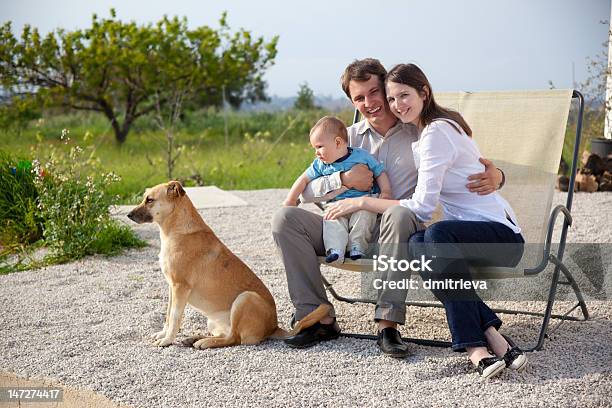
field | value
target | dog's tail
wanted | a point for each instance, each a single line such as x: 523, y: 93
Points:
x: 309, y: 320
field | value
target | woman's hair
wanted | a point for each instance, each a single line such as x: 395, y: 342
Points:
x: 411, y: 75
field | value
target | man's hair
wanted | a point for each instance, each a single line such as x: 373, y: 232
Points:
x: 361, y: 71
x: 330, y: 125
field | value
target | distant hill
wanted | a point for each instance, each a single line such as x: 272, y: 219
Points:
x: 279, y: 103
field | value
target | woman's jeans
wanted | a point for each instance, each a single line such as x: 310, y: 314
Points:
x: 453, y: 246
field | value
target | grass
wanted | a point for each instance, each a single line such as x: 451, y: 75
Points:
x: 263, y: 150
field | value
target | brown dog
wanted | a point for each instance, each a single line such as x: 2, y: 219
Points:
x: 202, y: 271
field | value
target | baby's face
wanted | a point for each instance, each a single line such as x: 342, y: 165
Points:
x: 328, y: 148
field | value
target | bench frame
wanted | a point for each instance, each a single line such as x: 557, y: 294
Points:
x: 547, y: 258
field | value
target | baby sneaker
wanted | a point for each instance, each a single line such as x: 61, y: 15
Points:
x: 334, y: 256
x: 356, y: 254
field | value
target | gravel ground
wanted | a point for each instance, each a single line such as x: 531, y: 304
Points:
x: 85, y: 324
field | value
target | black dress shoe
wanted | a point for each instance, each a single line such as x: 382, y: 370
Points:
x: 390, y: 342
x: 316, y: 333
x: 292, y: 321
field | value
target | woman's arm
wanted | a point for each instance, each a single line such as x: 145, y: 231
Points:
x: 351, y: 205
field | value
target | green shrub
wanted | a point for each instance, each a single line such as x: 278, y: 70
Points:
x: 113, y: 237
x: 74, y: 204
x: 19, y: 221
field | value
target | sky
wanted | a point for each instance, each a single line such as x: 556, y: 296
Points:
x: 466, y: 45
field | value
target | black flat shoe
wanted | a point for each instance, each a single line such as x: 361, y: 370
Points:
x: 515, y: 358
x: 489, y: 367
x: 313, y: 335
x: 390, y: 342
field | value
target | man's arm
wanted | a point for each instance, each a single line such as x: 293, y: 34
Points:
x: 325, y: 188
x: 487, y: 182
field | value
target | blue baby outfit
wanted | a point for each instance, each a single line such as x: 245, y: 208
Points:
x: 355, y: 156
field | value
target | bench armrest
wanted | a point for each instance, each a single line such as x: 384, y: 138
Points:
x: 551, y: 226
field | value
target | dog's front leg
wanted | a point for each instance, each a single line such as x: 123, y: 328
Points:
x: 161, y: 334
x: 179, y: 296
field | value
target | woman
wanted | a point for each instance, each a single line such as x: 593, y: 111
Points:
x: 445, y: 155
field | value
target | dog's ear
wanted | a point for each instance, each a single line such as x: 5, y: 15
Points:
x: 175, y: 189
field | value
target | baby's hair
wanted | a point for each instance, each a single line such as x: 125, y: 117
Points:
x: 330, y: 125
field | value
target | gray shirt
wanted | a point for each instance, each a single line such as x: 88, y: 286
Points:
x: 394, y: 150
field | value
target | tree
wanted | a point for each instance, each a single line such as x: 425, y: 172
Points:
x: 16, y: 112
x: 594, y: 90
x: 305, y: 98
x: 125, y: 71
x: 166, y: 119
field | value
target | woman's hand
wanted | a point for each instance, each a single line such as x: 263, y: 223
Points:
x: 343, y: 207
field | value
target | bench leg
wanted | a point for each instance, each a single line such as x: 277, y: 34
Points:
x: 560, y: 267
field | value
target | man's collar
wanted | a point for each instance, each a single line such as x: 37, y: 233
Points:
x: 364, y: 125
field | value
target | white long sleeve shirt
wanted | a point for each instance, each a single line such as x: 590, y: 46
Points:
x: 445, y: 158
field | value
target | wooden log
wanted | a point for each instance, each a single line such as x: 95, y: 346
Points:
x: 595, y: 165
x: 563, y: 183
x: 605, y: 182
x: 586, y: 182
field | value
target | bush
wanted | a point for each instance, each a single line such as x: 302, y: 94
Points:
x: 20, y: 222
x: 62, y: 199
x: 74, y: 204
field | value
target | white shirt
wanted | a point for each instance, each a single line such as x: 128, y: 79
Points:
x: 445, y: 158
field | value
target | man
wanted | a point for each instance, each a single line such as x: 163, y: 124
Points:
x: 298, y: 233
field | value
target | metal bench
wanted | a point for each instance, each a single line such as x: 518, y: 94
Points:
x: 523, y: 133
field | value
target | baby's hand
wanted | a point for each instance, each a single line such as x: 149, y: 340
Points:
x: 290, y: 203
x: 386, y: 195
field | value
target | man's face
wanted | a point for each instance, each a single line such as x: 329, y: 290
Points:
x: 368, y: 98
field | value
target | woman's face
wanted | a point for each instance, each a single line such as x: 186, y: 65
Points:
x: 405, y: 102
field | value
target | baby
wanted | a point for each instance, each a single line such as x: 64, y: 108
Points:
x: 352, y: 232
